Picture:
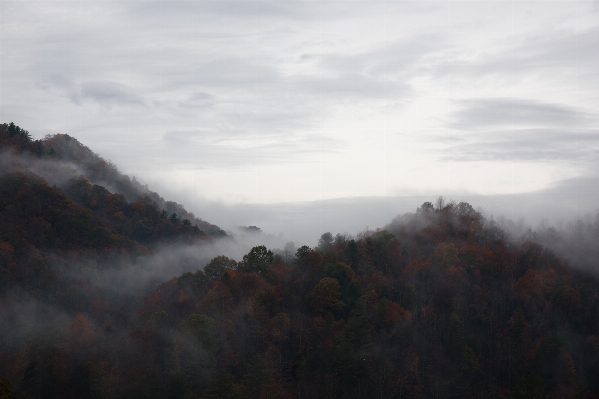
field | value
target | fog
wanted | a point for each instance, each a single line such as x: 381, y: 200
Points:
x: 304, y: 222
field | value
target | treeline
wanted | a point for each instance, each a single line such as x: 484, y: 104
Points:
x: 60, y: 152
x: 12, y: 136
x: 439, y: 305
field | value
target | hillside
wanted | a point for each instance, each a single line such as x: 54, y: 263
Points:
x: 443, y: 307
x: 63, y: 161
x: 440, y: 303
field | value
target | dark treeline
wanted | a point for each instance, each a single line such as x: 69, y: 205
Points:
x: 441, y: 303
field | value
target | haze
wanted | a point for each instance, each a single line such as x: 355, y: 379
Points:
x: 319, y: 116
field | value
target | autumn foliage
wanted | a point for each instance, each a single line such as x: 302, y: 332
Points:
x: 437, y: 304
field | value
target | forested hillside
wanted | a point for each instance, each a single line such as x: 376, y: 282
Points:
x: 441, y: 303
x: 63, y: 161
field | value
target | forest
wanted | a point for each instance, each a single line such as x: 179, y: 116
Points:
x: 439, y: 303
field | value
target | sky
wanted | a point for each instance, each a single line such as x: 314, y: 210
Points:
x: 238, y: 108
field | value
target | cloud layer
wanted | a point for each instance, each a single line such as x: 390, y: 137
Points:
x: 267, y: 101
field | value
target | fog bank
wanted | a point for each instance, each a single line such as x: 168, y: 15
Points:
x: 304, y: 222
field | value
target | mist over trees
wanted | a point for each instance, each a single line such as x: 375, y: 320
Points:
x: 108, y: 293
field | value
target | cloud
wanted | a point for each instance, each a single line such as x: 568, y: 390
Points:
x: 228, y: 84
x: 560, y: 48
x: 378, y: 73
x: 525, y: 145
x: 224, y: 151
x: 511, y: 129
x: 198, y: 100
x: 226, y: 9
x: 105, y: 93
x: 484, y: 113
x: 108, y: 93
x: 571, y: 51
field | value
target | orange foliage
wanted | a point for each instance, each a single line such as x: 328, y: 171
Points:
x: 80, y: 330
x: 453, y: 271
x: 396, y: 313
x: 251, y: 283
x: 228, y: 276
x: 219, y: 297
x: 152, y: 300
x: 415, y: 266
x: 446, y: 254
x: 137, y: 206
x: 278, y: 273
x: 371, y: 297
x: 183, y: 299
x: 530, y: 284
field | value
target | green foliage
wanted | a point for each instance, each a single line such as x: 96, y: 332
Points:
x: 257, y: 260
x: 325, y: 297
x: 426, y: 207
x: 465, y: 209
x: 302, y: 252
x: 325, y: 243
x: 217, y: 266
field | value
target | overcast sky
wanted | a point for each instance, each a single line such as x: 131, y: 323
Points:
x: 281, y: 101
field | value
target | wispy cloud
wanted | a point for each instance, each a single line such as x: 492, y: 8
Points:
x: 508, y: 129
x: 222, y: 151
x: 108, y: 93
x: 484, y: 113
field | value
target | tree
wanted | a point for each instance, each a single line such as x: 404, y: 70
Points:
x: 288, y: 251
x: 325, y: 242
x: 257, y: 260
x: 217, y: 266
x: 446, y: 255
x: 301, y: 253
x: 325, y: 297
x: 440, y: 203
x: 13, y: 130
x: 427, y: 207
x: 465, y: 209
